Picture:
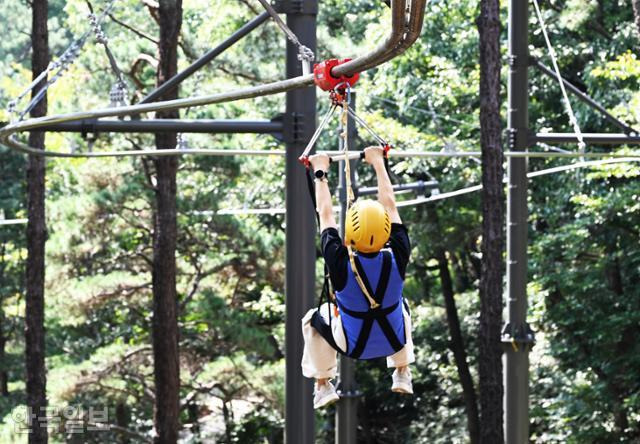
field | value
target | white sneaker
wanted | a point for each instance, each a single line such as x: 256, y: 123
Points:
x: 324, y: 395
x: 402, y: 381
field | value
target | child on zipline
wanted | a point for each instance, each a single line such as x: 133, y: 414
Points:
x: 371, y: 319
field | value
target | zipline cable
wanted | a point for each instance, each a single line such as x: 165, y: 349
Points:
x: 401, y: 204
x: 447, y: 195
x: 552, y: 53
x: 13, y: 221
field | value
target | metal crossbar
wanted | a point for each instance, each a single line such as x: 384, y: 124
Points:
x: 404, y: 31
x: 13, y: 221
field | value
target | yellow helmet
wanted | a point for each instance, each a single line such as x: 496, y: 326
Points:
x: 368, y: 226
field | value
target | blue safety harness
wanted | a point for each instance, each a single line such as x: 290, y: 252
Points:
x: 370, y: 332
x: 378, y: 331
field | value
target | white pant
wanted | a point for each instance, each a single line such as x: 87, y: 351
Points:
x: 319, y: 359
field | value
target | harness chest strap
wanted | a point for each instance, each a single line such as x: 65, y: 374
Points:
x: 372, y: 302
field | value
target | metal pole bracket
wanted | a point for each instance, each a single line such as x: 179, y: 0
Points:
x: 518, y: 337
x: 293, y: 126
x: 296, y: 6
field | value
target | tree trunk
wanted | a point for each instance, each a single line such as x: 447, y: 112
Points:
x: 4, y: 375
x: 165, y: 325
x: 36, y: 237
x: 490, y: 353
x: 636, y: 13
x: 458, y: 348
x: 457, y: 342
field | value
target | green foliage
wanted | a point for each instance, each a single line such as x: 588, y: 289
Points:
x: 584, y: 255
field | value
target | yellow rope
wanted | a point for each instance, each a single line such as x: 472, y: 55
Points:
x: 372, y: 302
x: 344, y: 119
x: 347, y: 164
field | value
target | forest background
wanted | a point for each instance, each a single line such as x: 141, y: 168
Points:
x: 583, y: 235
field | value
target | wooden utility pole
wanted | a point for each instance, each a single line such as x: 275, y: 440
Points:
x: 165, y: 323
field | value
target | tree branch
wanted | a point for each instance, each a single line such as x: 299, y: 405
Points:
x: 132, y: 29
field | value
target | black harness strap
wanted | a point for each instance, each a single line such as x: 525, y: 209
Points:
x: 324, y: 330
x: 316, y: 320
x: 388, y: 332
x: 383, y: 280
x: 368, y: 318
x: 377, y: 314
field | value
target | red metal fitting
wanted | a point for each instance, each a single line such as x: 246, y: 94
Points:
x: 305, y: 161
x: 386, y: 149
x: 336, y: 97
x: 327, y: 82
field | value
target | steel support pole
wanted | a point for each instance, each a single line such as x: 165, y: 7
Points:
x: 300, y: 120
x: 347, y: 411
x: 516, y: 335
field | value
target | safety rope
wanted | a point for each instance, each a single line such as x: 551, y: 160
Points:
x: 305, y: 55
x: 344, y: 123
x: 572, y: 118
x: 352, y: 261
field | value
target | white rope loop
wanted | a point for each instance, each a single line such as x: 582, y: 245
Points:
x: 572, y: 118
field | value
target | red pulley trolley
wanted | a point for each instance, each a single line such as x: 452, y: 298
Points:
x: 326, y: 81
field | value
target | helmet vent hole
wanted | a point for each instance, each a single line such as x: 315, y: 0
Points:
x: 353, y: 242
x: 371, y: 241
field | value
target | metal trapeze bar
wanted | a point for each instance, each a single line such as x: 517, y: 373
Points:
x: 419, y: 186
x: 584, y: 98
x: 590, y: 138
x: 206, y: 58
x: 92, y: 126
